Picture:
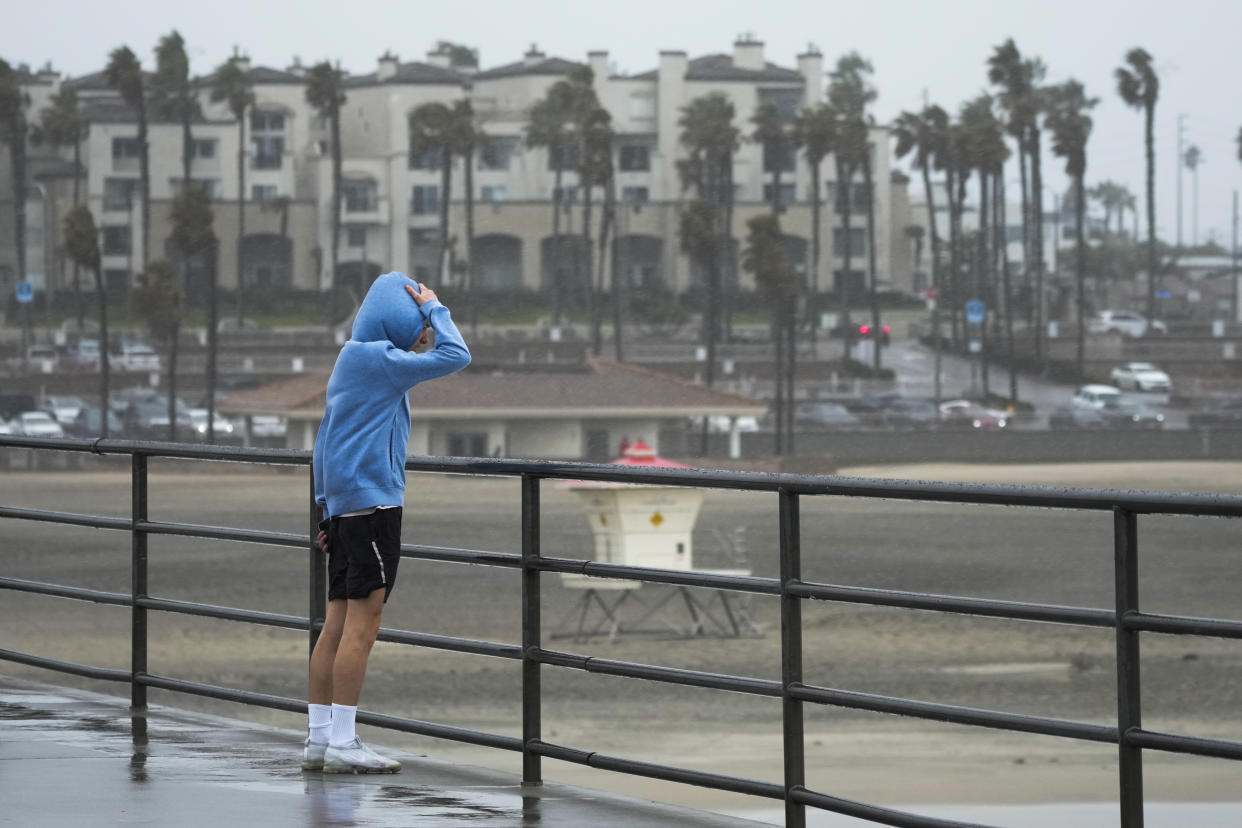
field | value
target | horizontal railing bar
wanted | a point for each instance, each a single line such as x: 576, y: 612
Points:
x: 61, y: 591
x: 740, y: 583
x: 913, y: 490
x: 270, y: 619
x: 67, y: 518
x: 85, y: 670
x: 669, y: 675
x: 194, y: 530
x: 441, y: 731
x: 299, y: 706
x: 874, y: 813
x: 457, y: 645
x: 1182, y: 625
x: 651, y: 770
x: 1177, y: 743
x: 955, y: 714
x: 992, y: 608
x: 463, y: 556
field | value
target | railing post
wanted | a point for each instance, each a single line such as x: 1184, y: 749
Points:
x: 138, y: 581
x: 1129, y: 695
x: 318, y: 610
x: 532, y: 704
x: 791, y: 656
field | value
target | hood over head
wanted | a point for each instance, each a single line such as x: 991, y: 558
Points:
x: 388, y: 312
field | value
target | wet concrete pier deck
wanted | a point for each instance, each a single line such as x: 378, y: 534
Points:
x: 68, y: 757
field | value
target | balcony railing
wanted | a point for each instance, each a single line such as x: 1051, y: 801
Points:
x: 1124, y: 617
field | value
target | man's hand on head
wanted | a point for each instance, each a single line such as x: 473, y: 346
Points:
x: 421, y: 296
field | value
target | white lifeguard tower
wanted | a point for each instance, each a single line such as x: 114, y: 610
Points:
x: 644, y: 526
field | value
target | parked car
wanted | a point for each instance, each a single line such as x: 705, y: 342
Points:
x: 224, y: 426
x: 823, y: 414
x: 910, y: 413
x: 970, y: 414
x: 133, y: 356
x: 1073, y: 416
x: 64, y: 407
x: 870, y: 408
x: 1140, y: 376
x: 147, y: 419
x: 43, y: 358
x: 1125, y: 322
x: 1222, y: 413
x: 38, y: 424
x: 85, y: 356
x: 88, y: 421
x: 1095, y: 396
x: 1131, y: 414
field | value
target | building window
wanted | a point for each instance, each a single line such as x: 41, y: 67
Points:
x: 356, y: 236
x: 119, y: 193
x: 466, y: 444
x: 117, y: 240
x: 425, y: 198
x: 642, y: 106
x: 778, y: 158
x: 496, y: 153
x: 858, y: 241
x: 203, y: 148
x: 125, y: 148
x: 634, y: 195
x: 426, y: 160
x: 787, y: 194
x: 563, y: 157
x: 264, y: 192
x: 634, y: 158
x: 359, y: 196
x: 267, y: 137
x: 786, y: 101
x: 495, y: 193
x: 565, y: 195
x: 858, y: 197
x: 34, y: 235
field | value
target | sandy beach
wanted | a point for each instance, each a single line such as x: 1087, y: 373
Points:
x: 1188, y: 566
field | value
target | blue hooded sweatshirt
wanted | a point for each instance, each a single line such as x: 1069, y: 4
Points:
x: 360, y: 449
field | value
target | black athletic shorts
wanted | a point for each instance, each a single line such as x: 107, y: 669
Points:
x: 363, y: 552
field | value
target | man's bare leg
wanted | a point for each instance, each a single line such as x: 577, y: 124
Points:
x: 321, y: 662
x: 349, y: 668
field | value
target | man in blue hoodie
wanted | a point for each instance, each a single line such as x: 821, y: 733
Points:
x: 360, y: 488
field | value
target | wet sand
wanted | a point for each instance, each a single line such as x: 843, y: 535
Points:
x: 1188, y: 566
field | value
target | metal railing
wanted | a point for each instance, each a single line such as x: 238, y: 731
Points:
x: 1125, y: 618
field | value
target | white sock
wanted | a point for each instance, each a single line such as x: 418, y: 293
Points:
x: 342, y: 725
x: 320, y: 722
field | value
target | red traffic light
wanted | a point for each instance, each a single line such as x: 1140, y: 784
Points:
x: 864, y: 329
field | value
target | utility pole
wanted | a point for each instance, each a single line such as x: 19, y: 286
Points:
x: 1181, y: 127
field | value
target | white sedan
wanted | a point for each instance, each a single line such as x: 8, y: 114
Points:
x: 38, y: 424
x: 1140, y: 376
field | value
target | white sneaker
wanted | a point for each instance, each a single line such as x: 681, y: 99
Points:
x: 356, y: 757
x: 312, y: 757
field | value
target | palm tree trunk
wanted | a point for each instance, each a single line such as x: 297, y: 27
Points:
x: 592, y: 299
x: 618, y: 278
x: 1080, y: 267
x: 557, y: 195
x: 844, y: 177
x: 77, y: 269
x: 446, y: 191
x: 778, y: 380
x: 213, y: 345
x: 813, y: 300
x: 241, y: 218
x: 727, y: 265
x: 144, y: 172
x: 952, y: 286
x: 187, y: 151
x: 791, y: 363
x: 874, y: 295
x: 17, y: 161
x: 337, y: 174
x: 1151, y: 211
x: 104, y: 374
x: 1026, y: 222
x: 1037, y: 193
x: 1003, y: 248
x: 471, y: 270
x: 981, y: 278
x: 174, y: 347
x: 935, y: 277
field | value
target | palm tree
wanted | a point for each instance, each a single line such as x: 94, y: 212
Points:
x: 1139, y: 86
x: 172, y: 94
x: 594, y: 167
x: 697, y: 233
x: 325, y: 92
x: 765, y: 257
x: 1071, y: 127
x: 62, y: 124
x: 158, y: 301
x: 13, y: 132
x: 771, y: 133
x: 815, y: 133
x: 82, y: 246
x: 926, y: 134
x: 432, y: 128
x: 125, y: 75
x: 467, y: 137
x: 191, y: 235
x: 550, y: 126
x: 232, y: 86
x: 710, y: 139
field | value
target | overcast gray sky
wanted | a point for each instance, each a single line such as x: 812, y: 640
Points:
x: 933, y: 46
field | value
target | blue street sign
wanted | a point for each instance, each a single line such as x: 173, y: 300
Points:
x: 1164, y: 294
x: 25, y: 291
x: 974, y: 311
